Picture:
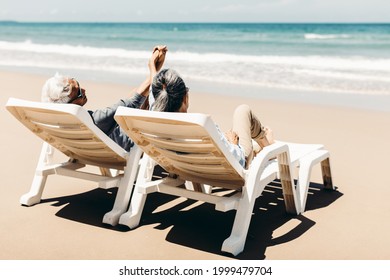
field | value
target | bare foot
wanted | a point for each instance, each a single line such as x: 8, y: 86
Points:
x: 267, y: 139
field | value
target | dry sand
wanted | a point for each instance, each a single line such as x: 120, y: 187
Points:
x: 349, y: 224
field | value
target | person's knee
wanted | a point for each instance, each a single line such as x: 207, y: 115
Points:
x: 242, y: 109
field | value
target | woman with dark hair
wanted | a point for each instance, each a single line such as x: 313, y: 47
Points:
x: 170, y: 94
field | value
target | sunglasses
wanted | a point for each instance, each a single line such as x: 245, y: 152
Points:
x: 79, y: 95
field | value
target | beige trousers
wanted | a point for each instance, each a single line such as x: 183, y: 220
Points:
x: 248, y: 127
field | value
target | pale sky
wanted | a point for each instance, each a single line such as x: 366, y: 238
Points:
x: 196, y: 10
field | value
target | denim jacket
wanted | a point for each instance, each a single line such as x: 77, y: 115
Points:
x: 104, y: 119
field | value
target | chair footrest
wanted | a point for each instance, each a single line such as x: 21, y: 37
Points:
x: 315, y: 157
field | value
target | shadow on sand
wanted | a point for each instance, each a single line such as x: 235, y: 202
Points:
x: 199, y: 225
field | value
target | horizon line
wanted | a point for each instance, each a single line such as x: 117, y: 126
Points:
x: 199, y: 22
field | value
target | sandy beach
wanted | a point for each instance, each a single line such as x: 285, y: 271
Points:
x: 351, y: 223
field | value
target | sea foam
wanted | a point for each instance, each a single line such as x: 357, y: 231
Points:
x: 357, y: 74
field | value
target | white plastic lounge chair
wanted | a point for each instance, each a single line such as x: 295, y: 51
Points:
x: 189, y: 146
x: 70, y: 129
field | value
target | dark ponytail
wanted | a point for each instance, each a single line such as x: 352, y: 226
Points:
x: 169, y: 90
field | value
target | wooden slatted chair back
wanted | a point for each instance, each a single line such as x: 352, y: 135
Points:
x: 70, y: 129
x: 185, y: 144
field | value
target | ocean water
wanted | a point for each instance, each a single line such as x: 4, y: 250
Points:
x: 341, y: 59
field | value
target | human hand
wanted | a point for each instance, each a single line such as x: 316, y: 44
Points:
x: 161, y: 57
x: 232, y: 137
x: 157, y: 59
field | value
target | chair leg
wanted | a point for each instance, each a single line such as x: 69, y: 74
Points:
x: 306, y: 165
x: 290, y: 194
x: 235, y: 243
x: 133, y: 216
x: 125, y: 188
x: 207, y: 188
x: 108, y: 172
x: 303, y: 183
x: 197, y: 187
x: 35, y: 194
x: 253, y: 187
x: 326, y: 174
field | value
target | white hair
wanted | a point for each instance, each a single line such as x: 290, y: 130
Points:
x: 56, y: 90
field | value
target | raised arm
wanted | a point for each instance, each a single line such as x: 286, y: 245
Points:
x: 155, y: 63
